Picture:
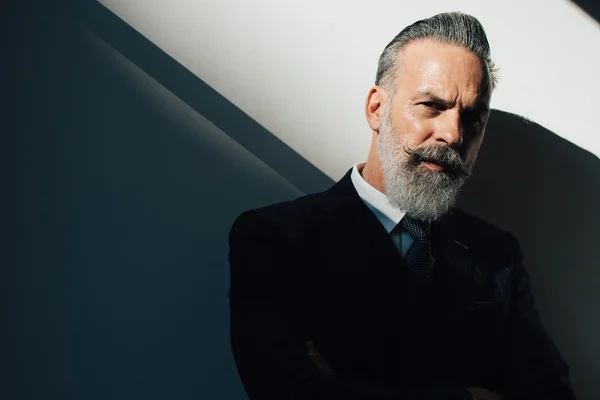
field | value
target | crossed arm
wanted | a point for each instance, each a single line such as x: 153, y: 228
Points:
x: 275, y: 362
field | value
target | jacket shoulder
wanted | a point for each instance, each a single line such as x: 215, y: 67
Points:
x: 477, y: 224
x: 293, y: 211
x: 489, y: 237
x: 290, y: 218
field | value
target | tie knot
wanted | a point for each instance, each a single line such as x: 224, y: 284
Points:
x: 417, y: 229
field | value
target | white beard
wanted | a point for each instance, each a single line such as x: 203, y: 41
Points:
x: 422, y: 193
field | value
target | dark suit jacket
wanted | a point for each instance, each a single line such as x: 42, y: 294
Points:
x: 322, y: 268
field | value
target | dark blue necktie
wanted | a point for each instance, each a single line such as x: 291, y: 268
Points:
x: 418, y: 258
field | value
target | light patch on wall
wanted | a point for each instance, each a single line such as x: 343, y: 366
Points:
x: 207, y: 134
x: 302, y: 68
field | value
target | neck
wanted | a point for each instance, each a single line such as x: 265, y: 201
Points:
x: 372, y: 172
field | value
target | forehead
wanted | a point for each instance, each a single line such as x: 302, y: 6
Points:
x: 445, y: 69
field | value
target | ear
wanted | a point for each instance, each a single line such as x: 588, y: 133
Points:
x: 374, y: 107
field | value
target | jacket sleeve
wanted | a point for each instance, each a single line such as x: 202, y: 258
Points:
x: 270, y: 353
x: 535, y: 366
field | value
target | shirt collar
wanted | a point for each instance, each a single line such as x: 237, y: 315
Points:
x: 378, y: 202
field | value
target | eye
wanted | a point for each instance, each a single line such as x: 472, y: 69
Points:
x: 474, y: 119
x: 433, y: 105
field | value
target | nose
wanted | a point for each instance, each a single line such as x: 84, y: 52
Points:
x: 449, y: 130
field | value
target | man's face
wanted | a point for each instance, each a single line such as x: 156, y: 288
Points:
x: 432, y: 127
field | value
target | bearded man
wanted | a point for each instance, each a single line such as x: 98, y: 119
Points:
x: 378, y: 288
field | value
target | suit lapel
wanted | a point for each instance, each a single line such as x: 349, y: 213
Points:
x: 455, y: 269
x: 356, y: 223
x: 371, y: 261
x: 451, y: 246
x: 465, y: 303
x: 462, y: 258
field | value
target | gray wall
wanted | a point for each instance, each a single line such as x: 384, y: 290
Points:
x: 118, y: 201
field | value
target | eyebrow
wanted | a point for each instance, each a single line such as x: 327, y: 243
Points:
x: 479, y: 107
x: 426, y: 94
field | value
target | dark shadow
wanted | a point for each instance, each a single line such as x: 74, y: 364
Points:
x: 117, y: 202
x: 592, y: 7
x: 201, y: 97
x: 546, y: 191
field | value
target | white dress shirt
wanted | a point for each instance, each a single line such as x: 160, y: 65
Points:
x: 378, y: 203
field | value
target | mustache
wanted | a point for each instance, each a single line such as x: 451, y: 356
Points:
x: 445, y: 156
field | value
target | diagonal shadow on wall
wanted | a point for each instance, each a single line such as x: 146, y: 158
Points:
x: 592, y: 7
x: 546, y: 191
x: 198, y: 95
x: 118, y: 201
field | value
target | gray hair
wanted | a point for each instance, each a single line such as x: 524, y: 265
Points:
x: 453, y: 28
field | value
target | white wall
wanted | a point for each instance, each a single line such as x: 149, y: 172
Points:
x: 302, y: 68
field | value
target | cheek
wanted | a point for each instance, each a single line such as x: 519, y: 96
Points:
x: 472, y: 147
x: 415, y: 129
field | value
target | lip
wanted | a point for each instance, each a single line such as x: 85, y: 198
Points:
x: 432, y: 166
